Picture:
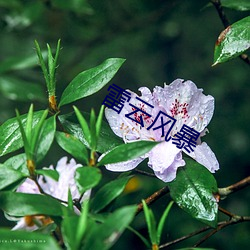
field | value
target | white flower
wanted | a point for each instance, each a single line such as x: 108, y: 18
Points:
x: 181, y: 100
x: 58, y: 189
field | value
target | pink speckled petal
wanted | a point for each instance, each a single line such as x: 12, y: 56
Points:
x: 198, y: 109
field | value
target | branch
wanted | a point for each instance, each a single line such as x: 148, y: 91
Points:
x: 204, y: 229
x: 144, y: 173
x: 223, y: 192
x: 226, y: 23
x: 222, y: 15
x: 224, y: 211
x: 152, y: 198
x: 44, y: 193
x: 235, y: 220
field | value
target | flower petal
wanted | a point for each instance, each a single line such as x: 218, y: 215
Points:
x: 164, y: 159
x: 29, y: 187
x: 205, y: 156
x: 125, y: 166
x: 126, y: 128
x: 66, y: 180
x: 21, y: 225
x: 186, y: 103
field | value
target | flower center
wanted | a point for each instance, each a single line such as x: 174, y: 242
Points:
x: 179, y: 110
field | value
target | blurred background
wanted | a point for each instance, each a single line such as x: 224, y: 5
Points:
x: 161, y: 41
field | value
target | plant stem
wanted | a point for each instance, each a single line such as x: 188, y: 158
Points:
x: 224, y: 192
x: 152, y: 198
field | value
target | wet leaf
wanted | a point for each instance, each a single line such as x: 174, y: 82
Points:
x: 105, y: 235
x: 233, y: 41
x: 20, y: 204
x: 73, y: 146
x: 18, y: 162
x: 46, y: 137
x: 16, y: 240
x: 108, y: 193
x: 10, y: 136
x: 53, y: 174
x: 87, y: 177
x: 9, y: 176
x: 126, y: 152
x: 20, y: 90
x: 241, y: 5
x: 77, y: 6
x: 193, y: 191
x: 20, y: 62
x: 90, y: 81
x: 107, y: 138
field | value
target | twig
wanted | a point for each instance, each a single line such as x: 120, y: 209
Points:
x: 42, y: 192
x: 152, y: 198
x: 223, y: 192
x: 235, y: 220
x: 222, y: 15
x: 226, y: 23
x: 204, y: 229
x: 144, y: 173
x: 224, y: 211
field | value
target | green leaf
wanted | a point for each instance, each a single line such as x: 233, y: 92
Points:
x: 233, y: 41
x: 69, y: 230
x: 43, y: 65
x: 193, y: 191
x: 162, y: 221
x: 78, y: 6
x: 105, y: 235
x: 20, y: 204
x: 53, y: 174
x: 46, y: 138
x: 99, y: 122
x: 90, y: 81
x: 47, y: 229
x: 84, y: 125
x: 151, y: 223
x: 19, y: 90
x: 19, y: 63
x: 82, y: 223
x: 74, y: 228
x: 28, y: 127
x: 10, y: 4
x: 195, y: 248
x: 70, y: 201
x: 92, y: 127
x: 18, y: 162
x: 73, y: 146
x: 241, y: 5
x: 37, y: 132
x: 8, y: 176
x: 10, y: 136
x: 22, y: 131
x: 107, y: 139
x: 108, y: 193
x: 143, y: 239
x: 127, y: 152
x: 16, y: 240
x: 52, y: 65
x: 87, y: 177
